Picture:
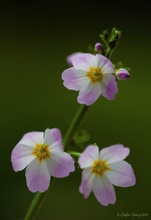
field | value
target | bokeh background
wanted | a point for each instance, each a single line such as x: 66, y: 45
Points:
x: 35, y: 39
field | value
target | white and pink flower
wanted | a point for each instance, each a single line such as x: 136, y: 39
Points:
x: 92, y: 76
x: 42, y: 154
x: 102, y: 170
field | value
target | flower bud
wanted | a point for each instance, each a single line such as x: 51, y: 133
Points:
x: 98, y: 48
x: 122, y: 74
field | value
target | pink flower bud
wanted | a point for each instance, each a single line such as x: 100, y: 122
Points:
x: 98, y: 48
x: 122, y: 74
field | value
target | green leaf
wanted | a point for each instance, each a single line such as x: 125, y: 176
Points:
x: 81, y: 136
x: 118, y: 65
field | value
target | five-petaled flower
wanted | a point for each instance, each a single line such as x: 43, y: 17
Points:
x: 43, y: 156
x: 104, y: 168
x: 91, y: 75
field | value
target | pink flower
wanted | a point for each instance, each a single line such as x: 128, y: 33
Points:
x: 104, y: 168
x: 91, y: 75
x: 122, y: 74
x: 41, y: 153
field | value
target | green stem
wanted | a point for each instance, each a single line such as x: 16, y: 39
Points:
x: 36, y: 204
x: 74, y: 125
x: 39, y: 197
x: 74, y: 153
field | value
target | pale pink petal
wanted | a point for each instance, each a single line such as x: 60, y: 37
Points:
x: 74, y: 79
x: 121, y: 174
x: 84, y: 61
x: 56, y: 146
x: 89, y: 93
x: 103, y: 190
x: 60, y: 164
x: 109, y: 86
x: 88, y: 156
x: 37, y: 176
x: 32, y: 138
x: 86, y: 182
x: 71, y: 56
x: 52, y: 136
x: 105, y: 64
x: 114, y: 153
x: 21, y: 156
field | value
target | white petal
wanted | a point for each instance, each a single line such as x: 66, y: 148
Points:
x: 37, y: 176
x: 114, y: 153
x: 74, y: 79
x: 84, y: 61
x: 89, y: 93
x: 86, y: 182
x: 103, y: 190
x: 53, y: 136
x: 60, y: 164
x: 21, y: 156
x: 105, y: 64
x: 32, y: 138
x: 121, y: 174
x: 88, y: 156
x: 109, y: 86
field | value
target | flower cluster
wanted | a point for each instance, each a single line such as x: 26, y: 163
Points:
x: 43, y: 154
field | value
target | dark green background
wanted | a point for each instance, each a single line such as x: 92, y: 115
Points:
x: 35, y: 39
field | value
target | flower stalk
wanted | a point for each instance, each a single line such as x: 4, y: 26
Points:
x: 74, y: 125
x: 110, y: 43
x: 35, y: 205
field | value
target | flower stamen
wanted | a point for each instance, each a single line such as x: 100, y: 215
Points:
x: 95, y: 74
x: 41, y: 151
x: 99, y: 167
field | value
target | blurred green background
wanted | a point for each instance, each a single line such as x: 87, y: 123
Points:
x: 35, y: 39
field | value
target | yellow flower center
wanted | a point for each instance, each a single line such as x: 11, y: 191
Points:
x: 95, y: 74
x: 99, y: 167
x: 41, y: 151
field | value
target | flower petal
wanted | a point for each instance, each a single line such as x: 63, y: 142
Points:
x: 53, y: 135
x: 37, y: 176
x: 103, y: 190
x: 109, y: 86
x: 84, y: 61
x: 74, y: 79
x: 60, y: 164
x: 89, y: 93
x: 114, y: 153
x: 71, y: 56
x: 32, y: 138
x: 21, y: 156
x: 86, y: 182
x: 88, y: 156
x: 105, y: 64
x: 121, y: 174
